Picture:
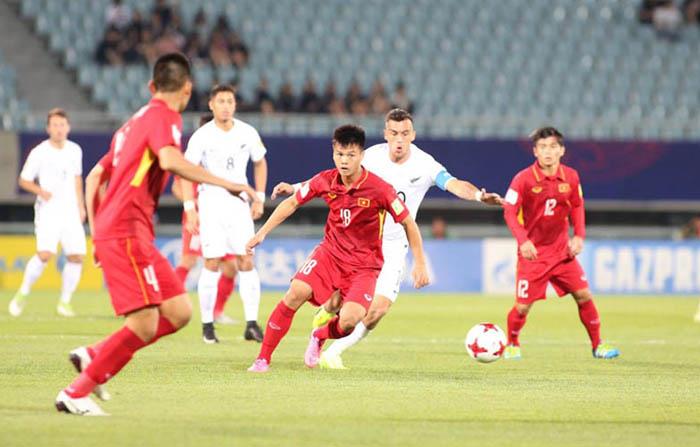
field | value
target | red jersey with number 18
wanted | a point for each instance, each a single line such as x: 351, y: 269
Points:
x: 353, y: 233
x: 136, y: 179
x: 537, y: 208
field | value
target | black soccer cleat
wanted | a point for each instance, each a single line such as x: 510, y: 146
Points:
x: 208, y: 333
x: 253, y: 332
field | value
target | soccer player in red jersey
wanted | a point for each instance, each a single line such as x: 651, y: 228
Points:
x: 538, y: 205
x: 349, y: 258
x: 142, y: 285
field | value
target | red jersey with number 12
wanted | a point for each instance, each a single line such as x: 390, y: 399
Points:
x: 538, y: 207
x: 353, y: 233
x: 136, y: 179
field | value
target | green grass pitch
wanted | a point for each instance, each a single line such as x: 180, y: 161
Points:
x: 411, y: 382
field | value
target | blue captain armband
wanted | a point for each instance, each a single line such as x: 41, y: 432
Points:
x: 442, y: 178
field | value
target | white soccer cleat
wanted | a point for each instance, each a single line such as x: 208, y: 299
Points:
x: 80, y: 358
x: 225, y: 319
x: 81, y: 406
x: 331, y: 361
x: 17, y: 304
x: 65, y: 309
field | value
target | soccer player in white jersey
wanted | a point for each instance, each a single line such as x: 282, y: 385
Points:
x: 224, y: 146
x: 53, y: 171
x: 411, y: 172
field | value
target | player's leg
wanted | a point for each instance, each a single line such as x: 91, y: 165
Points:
x: 249, y: 289
x: 47, y: 237
x: 207, y: 287
x: 331, y: 357
x: 187, y: 262
x: 329, y: 310
x: 280, y: 321
x: 224, y: 289
x: 530, y: 286
x: 569, y: 277
x: 73, y: 244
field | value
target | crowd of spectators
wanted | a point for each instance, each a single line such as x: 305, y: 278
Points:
x: 313, y: 100
x: 131, y: 38
x: 668, y: 16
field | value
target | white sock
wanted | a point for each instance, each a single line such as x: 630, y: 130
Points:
x: 249, y: 288
x: 70, y: 278
x: 341, y: 344
x: 35, y: 267
x: 207, y: 288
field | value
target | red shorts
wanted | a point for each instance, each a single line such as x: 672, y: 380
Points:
x: 191, y: 244
x: 325, y: 275
x: 137, y: 275
x: 532, y: 277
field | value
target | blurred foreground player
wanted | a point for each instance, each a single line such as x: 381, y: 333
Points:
x: 142, y: 285
x: 349, y: 258
x: 538, y: 205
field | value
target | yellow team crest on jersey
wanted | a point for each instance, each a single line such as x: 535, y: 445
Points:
x: 332, y: 195
x: 537, y: 189
x: 364, y: 203
x: 564, y: 187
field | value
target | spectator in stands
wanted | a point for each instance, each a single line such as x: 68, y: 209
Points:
x: 239, y: 50
x: 199, y: 24
x: 285, y: 99
x: 195, y: 48
x: 218, y: 49
x: 692, y: 229
x: 438, y: 228
x: 378, y: 100
x: 164, y: 12
x: 400, y: 98
x: 264, y: 102
x: 646, y: 10
x: 310, y: 101
x: 108, y: 50
x: 667, y: 20
x: 330, y: 103
x: 118, y: 15
x: 136, y: 23
x: 691, y: 10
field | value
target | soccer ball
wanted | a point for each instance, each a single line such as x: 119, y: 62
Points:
x: 485, y: 342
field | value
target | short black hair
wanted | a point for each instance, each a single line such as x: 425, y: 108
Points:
x: 171, y: 72
x: 349, y: 135
x: 205, y: 118
x: 546, y: 132
x: 218, y: 88
x: 397, y: 115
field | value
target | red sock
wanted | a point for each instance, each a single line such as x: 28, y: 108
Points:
x: 515, y: 324
x: 165, y: 327
x: 181, y: 273
x: 589, y: 317
x: 277, y: 326
x: 331, y: 330
x: 224, y: 290
x: 116, y: 352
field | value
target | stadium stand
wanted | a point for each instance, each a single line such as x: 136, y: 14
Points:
x: 474, y: 68
x: 12, y: 107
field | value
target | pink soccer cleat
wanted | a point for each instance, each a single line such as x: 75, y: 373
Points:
x: 259, y: 366
x: 313, y: 351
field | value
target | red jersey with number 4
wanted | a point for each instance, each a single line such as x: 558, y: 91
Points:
x: 537, y: 208
x: 136, y: 179
x: 353, y: 232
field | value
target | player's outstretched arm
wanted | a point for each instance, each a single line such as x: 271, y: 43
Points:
x: 188, y: 203
x: 80, y: 197
x: 170, y: 159
x: 467, y: 191
x: 415, y: 241
x: 279, y: 215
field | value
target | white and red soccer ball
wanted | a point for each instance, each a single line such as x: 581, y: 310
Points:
x: 485, y: 342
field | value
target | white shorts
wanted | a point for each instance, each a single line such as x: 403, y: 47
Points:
x: 389, y: 281
x: 70, y: 234
x: 225, y: 226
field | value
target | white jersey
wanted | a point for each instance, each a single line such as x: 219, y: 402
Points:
x: 55, y: 170
x: 411, y: 179
x: 225, y: 153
